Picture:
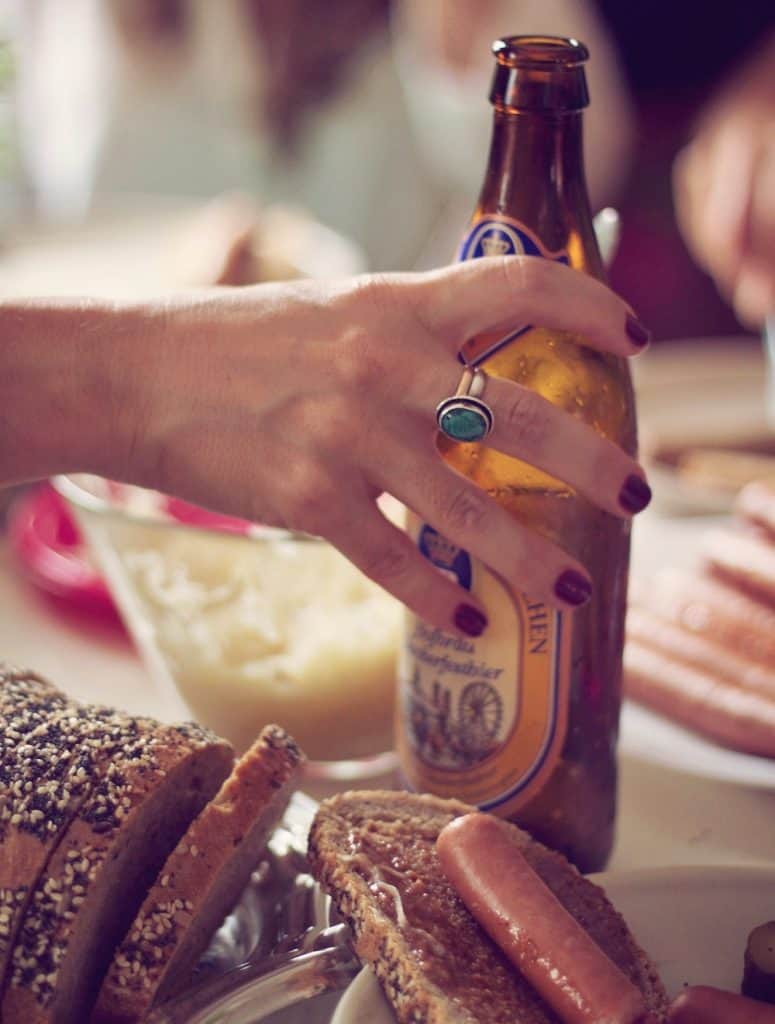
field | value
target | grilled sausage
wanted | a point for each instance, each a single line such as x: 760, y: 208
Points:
x: 704, y: 702
x: 525, y: 919
x: 704, y: 1005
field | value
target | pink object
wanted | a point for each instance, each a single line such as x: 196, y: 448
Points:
x: 523, y: 916
x: 49, y: 547
x: 194, y: 515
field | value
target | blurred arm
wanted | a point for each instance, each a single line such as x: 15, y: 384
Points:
x: 724, y: 184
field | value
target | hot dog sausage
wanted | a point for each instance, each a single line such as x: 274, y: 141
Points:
x: 698, y: 651
x: 710, y: 608
x: 704, y: 1005
x: 522, y: 916
x: 743, y: 559
x: 756, y: 505
x: 701, y: 701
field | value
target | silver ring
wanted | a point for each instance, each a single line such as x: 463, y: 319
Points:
x: 465, y: 416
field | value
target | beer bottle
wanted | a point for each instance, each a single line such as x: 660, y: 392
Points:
x: 523, y: 720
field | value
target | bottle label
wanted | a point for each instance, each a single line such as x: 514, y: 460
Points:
x: 502, y: 236
x: 485, y: 719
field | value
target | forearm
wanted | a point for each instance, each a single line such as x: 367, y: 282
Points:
x: 69, y: 376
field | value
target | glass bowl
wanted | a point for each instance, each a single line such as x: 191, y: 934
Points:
x: 281, y: 954
x: 250, y: 624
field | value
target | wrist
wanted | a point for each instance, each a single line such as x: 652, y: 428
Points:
x: 68, y: 386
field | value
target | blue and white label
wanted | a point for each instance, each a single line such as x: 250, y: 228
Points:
x: 501, y: 236
x: 448, y: 558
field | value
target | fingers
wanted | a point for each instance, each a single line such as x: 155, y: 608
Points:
x: 724, y: 183
x: 467, y: 516
x: 531, y: 428
x: 504, y: 293
x: 386, y: 555
x: 754, y: 290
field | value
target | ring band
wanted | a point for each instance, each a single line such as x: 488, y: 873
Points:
x: 465, y: 416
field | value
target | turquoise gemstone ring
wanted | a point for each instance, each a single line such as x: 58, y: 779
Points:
x: 465, y: 416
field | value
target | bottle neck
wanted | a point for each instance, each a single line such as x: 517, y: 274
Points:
x: 535, y: 175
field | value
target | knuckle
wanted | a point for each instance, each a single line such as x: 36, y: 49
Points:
x: 309, y: 497
x: 524, y: 419
x: 388, y: 563
x: 361, y: 360
x: 466, y: 511
x: 332, y: 423
x: 376, y: 292
x: 526, y: 275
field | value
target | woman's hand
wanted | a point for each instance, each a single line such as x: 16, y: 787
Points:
x: 724, y: 184
x: 297, y: 405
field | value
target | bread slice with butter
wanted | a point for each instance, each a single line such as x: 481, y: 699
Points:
x: 375, y: 853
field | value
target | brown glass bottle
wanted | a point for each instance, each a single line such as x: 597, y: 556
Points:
x: 524, y: 720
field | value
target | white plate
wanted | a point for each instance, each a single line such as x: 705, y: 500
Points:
x: 647, y: 736
x: 707, y: 391
x: 692, y: 922
x: 660, y: 542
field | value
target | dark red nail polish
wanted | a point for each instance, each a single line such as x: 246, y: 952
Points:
x: 573, y: 588
x: 636, y: 332
x: 635, y: 494
x: 470, y: 620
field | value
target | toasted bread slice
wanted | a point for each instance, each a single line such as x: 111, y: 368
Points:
x: 375, y: 853
x: 200, y: 882
x: 139, y: 802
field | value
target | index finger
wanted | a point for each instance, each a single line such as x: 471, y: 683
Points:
x: 503, y: 293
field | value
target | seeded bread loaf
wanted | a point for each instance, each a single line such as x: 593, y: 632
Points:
x: 200, y: 882
x: 26, y: 702
x: 138, y: 804
x: 375, y: 853
x: 49, y: 776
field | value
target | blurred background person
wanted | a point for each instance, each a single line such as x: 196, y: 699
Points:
x: 371, y: 115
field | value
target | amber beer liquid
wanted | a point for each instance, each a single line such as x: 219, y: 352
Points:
x: 523, y: 720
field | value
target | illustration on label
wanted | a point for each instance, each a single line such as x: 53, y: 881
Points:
x: 483, y: 719
x: 502, y: 236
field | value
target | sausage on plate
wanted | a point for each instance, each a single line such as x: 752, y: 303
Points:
x: 527, y: 921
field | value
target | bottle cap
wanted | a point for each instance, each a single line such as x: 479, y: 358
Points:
x: 539, y: 73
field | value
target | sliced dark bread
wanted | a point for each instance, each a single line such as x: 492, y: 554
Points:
x: 26, y: 702
x: 139, y: 802
x: 50, y: 775
x: 200, y: 882
x: 375, y: 853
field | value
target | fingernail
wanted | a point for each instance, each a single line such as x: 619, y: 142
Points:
x: 636, y: 332
x: 470, y: 620
x: 635, y: 494
x: 573, y: 588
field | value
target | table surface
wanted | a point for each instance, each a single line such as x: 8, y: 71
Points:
x: 665, y: 818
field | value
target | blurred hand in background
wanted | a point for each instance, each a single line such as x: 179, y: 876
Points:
x: 725, y: 189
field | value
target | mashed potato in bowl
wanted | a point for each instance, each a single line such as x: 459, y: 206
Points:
x: 270, y: 627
